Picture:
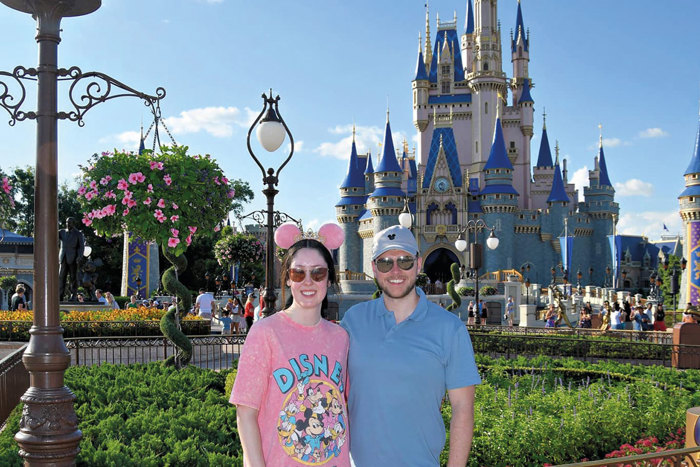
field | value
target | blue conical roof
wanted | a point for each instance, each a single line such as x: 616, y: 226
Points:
x: 469, y: 22
x: 388, y: 162
x: 604, y: 178
x: 369, y: 169
x: 544, y: 158
x: 420, y: 68
x: 142, y: 145
x: 519, y: 29
x: 558, y: 192
x: 498, y: 158
x: 525, y: 95
x: 694, y: 166
x: 354, y: 177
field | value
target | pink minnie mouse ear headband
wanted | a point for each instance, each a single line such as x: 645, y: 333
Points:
x: 330, y: 234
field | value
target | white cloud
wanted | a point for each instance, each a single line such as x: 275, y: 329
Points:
x: 314, y: 224
x: 217, y: 121
x: 580, y: 180
x: 653, y: 133
x: 298, y: 145
x: 634, y: 187
x: 367, y: 138
x: 612, y: 142
x: 650, y: 223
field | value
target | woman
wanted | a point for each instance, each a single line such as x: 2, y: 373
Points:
x: 550, y: 319
x: 234, y: 307
x: 585, y: 321
x: 484, y: 313
x: 659, y: 317
x: 290, y: 386
x: 471, y: 317
x: 111, y: 302
x: 249, y: 311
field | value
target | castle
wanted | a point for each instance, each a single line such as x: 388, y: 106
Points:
x: 473, y: 162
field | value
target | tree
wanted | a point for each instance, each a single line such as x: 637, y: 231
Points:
x: 22, y: 219
x: 7, y: 201
x: 168, y: 198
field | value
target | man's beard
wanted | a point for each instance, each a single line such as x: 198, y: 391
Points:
x: 409, y: 285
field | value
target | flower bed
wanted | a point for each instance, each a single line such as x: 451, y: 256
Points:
x: 141, y: 321
x: 528, y: 412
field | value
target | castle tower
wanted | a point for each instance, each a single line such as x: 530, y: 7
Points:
x: 499, y: 200
x: 386, y: 200
x: 421, y: 88
x: 349, y: 208
x: 689, y: 201
x: 468, y: 39
x: 543, y: 172
x: 520, y: 50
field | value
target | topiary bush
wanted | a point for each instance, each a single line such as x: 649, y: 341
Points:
x: 456, y: 300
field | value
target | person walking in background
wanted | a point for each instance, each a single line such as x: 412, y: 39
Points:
x: 660, y: 318
x: 550, y: 318
x: 132, y: 302
x: 203, y: 304
x: 615, y: 321
x: 100, y: 298
x: 249, y: 311
x: 483, y: 312
x: 288, y: 416
x: 471, y: 313
x: 235, y: 309
x: 510, y: 311
x: 405, y: 353
x: 225, y: 320
x: 18, y: 302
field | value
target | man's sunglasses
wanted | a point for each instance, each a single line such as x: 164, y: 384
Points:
x: 317, y: 274
x: 387, y: 264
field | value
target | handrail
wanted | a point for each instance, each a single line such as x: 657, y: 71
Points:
x: 14, y: 381
x: 353, y: 276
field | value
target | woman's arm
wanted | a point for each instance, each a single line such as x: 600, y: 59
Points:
x: 249, y: 431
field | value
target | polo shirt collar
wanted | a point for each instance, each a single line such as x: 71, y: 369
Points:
x: 419, y: 313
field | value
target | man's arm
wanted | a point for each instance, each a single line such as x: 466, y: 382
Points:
x: 461, y: 425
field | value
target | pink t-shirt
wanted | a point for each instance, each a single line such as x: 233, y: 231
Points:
x: 296, y: 377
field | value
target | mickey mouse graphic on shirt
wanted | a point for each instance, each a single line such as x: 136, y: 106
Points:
x: 312, y: 426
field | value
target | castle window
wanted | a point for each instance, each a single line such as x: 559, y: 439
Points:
x: 446, y: 69
x: 498, y: 196
x: 512, y: 144
x: 486, y: 107
x: 445, y: 87
x: 486, y: 66
x: 477, y: 146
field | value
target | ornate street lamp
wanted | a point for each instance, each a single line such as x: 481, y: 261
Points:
x: 51, y: 434
x: 608, y: 276
x: 579, y: 275
x: 590, y: 275
x: 217, y: 281
x: 138, y: 287
x: 406, y: 218
x: 270, y: 132
x: 527, y: 291
x: 475, y: 226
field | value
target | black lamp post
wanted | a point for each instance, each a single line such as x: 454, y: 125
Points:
x: 527, y: 291
x: 271, y: 133
x: 138, y: 287
x: 674, y: 276
x: 579, y: 275
x: 590, y: 276
x: 207, y: 278
x: 475, y: 226
x: 554, y: 275
x: 49, y: 433
x: 217, y: 281
x: 608, y: 276
x: 624, y: 276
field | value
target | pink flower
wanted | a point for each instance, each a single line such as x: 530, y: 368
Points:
x: 125, y: 212
x: 147, y: 201
x: 188, y: 240
x: 106, y: 153
x: 136, y: 177
x: 174, y: 218
x: 87, y: 222
x: 125, y: 200
x: 161, y: 203
x: 93, y: 184
x: 122, y: 184
x: 192, y: 229
x: 81, y: 190
x: 167, y: 179
x: 128, y: 194
x: 216, y: 180
x: 224, y: 180
x: 175, y: 232
x: 110, y: 194
x: 175, y: 206
x: 131, y: 203
x: 160, y: 217
x: 109, y: 210
x: 105, y: 180
x: 89, y: 195
x: 156, y: 165
x: 217, y: 228
x: 150, y: 188
x: 231, y: 193
x: 172, y: 242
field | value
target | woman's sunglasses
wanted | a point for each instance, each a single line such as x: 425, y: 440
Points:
x: 387, y: 264
x: 317, y: 274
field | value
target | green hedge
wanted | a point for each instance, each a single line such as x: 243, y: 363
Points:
x: 527, y: 412
x: 19, y: 330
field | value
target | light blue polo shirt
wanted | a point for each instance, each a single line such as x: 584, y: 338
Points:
x: 398, y: 377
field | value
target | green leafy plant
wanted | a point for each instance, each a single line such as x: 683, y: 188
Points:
x: 167, y: 198
x: 466, y: 291
x: 456, y: 299
x: 239, y: 249
x: 422, y: 279
x: 487, y: 290
x: 8, y: 283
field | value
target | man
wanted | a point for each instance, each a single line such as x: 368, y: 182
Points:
x: 510, y: 311
x: 100, y: 298
x: 203, y: 304
x: 405, y: 352
x: 70, y: 257
x: 18, y: 302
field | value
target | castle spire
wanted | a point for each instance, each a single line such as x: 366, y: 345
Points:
x: 142, y: 143
x: 498, y: 157
x: 469, y: 19
x: 354, y: 178
x: 694, y: 166
x: 520, y: 32
x: 421, y: 73
x: 544, y: 118
x: 544, y: 158
x: 557, y: 193
x: 604, y: 179
x: 428, y: 45
x: 388, y: 162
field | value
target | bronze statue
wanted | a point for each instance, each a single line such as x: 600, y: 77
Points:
x: 70, y: 258
x: 557, y: 299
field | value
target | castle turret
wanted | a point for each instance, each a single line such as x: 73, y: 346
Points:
x: 543, y: 172
x: 386, y: 200
x: 369, y: 174
x: 468, y: 38
x: 349, y: 208
x: 520, y: 47
x: 689, y: 201
x: 421, y: 88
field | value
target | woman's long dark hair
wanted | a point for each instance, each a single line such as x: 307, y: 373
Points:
x: 291, y: 253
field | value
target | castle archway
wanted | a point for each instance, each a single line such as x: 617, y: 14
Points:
x: 437, y: 265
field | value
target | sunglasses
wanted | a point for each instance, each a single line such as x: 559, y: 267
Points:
x: 387, y: 264
x: 317, y: 274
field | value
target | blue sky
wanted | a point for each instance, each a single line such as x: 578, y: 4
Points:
x: 631, y: 65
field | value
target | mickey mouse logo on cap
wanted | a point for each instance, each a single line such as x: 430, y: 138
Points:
x: 391, y: 236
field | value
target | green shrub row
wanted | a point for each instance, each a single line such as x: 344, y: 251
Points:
x: 19, y: 330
